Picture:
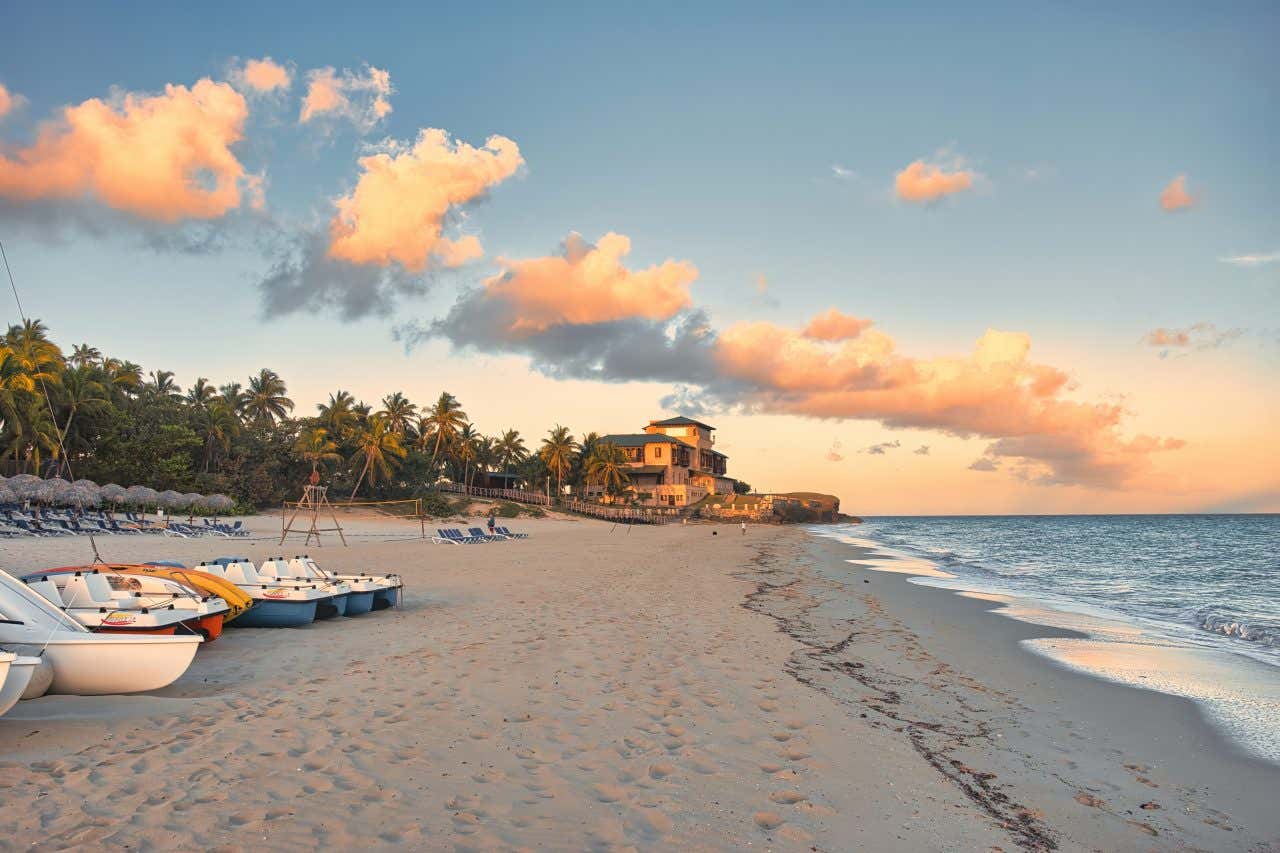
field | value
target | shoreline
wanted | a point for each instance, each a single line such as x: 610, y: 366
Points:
x: 1055, y: 755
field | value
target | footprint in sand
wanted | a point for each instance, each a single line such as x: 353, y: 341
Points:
x: 767, y: 820
x: 661, y: 770
x: 787, y: 798
x: 608, y: 793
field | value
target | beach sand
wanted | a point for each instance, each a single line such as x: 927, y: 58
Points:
x: 605, y: 688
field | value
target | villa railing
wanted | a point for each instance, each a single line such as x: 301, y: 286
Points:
x: 627, y: 514
x: 517, y: 495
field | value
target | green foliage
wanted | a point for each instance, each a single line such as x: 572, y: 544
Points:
x: 507, y: 509
x: 741, y: 487
x: 437, y: 505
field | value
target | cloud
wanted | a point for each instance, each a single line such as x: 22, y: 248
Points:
x: 1175, y: 197
x: 305, y: 276
x: 881, y: 448
x: 923, y: 182
x: 834, y: 326
x: 922, y: 450
x: 583, y: 285
x: 984, y: 463
x: 397, y: 211
x: 834, y: 454
x: 362, y: 97
x: 1196, y: 337
x: 995, y: 392
x: 9, y: 101
x: 1256, y: 260
x: 262, y: 76
x: 762, y: 285
x: 165, y: 157
x: 842, y: 173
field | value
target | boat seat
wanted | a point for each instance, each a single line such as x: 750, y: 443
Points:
x: 47, y: 589
x: 277, y: 570
x: 244, y: 573
x: 79, y: 591
x: 305, y: 567
x: 214, y: 569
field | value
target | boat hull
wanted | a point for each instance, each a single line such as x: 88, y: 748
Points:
x: 277, y: 614
x: 332, y: 607
x: 14, y: 684
x: 209, y: 627
x: 385, y: 598
x: 101, y: 664
x: 359, y: 603
x: 160, y: 631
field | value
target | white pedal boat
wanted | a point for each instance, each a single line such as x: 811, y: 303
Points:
x: 386, y: 588
x: 84, y: 663
x: 276, y: 604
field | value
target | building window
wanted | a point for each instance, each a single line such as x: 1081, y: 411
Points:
x: 657, y: 452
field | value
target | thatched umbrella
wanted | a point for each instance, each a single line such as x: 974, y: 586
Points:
x: 87, y: 493
x: 7, y: 495
x: 53, y: 490
x: 169, y: 498
x: 25, y: 486
x: 219, y: 503
x: 140, y: 496
x: 113, y: 492
x: 192, y: 501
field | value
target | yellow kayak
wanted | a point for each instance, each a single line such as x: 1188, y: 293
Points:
x: 237, y: 599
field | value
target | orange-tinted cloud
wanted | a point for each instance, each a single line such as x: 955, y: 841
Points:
x: 1175, y: 197
x: 8, y: 101
x: 164, y: 157
x: 832, y: 325
x: 361, y: 97
x: 925, y: 182
x: 995, y: 392
x: 585, y: 285
x: 263, y: 75
x: 1198, y: 336
x: 396, y: 212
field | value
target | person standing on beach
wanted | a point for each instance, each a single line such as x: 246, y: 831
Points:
x: 744, y: 528
x: 492, y: 523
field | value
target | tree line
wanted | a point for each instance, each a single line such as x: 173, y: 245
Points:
x: 89, y: 415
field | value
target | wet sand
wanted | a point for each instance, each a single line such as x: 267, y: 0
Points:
x: 594, y: 687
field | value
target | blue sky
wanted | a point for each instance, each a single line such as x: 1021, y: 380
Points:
x: 710, y: 134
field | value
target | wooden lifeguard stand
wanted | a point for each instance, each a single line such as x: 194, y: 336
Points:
x: 315, y: 499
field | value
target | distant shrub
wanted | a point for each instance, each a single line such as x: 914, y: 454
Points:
x: 507, y: 509
x: 436, y: 505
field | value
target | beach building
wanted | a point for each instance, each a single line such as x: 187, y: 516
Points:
x: 673, y: 462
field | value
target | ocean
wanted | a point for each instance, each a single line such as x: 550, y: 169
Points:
x: 1186, y: 604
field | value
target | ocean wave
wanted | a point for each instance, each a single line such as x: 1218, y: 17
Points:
x: 1229, y: 626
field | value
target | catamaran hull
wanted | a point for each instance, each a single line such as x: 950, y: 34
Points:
x: 277, y: 614
x: 161, y: 631
x: 100, y: 664
x: 385, y: 598
x: 16, y: 681
x: 333, y: 606
x: 359, y: 603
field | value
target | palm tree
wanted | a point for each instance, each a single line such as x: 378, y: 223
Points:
x: 234, y: 396
x: 83, y: 355
x: 445, y: 420
x: 315, y: 446
x: 464, y: 450
x: 80, y: 392
x: 266, y: 401
x: 558, y: 452
x: 220, y: 424
x: 380, y: 449
x: 124, y: 377
x: 201, y: 393
x: 511, y: 450
x: 337, y: 416
x: 485, y: 453
x: 399, y: 412
x: 607, y: 467
x: 162, y: 386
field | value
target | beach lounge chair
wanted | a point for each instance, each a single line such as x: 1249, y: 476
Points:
x: 505, y: 532
x: 476, y: 531
x: 458, y: 536
x: 442, y: 539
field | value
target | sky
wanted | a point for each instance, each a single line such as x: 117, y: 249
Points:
x: 997, y: 258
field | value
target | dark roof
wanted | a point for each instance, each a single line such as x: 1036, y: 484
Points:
x: 638, y: 439
x: 681, y: 421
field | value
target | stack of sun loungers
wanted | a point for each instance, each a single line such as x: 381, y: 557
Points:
x: 15, y: 521
x: 473, y: 536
